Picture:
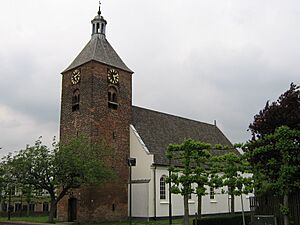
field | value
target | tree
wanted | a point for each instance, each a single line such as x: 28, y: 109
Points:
x: 190, y: 157
x: 280, y: 171
x: 284, y: 111
x: 232, y: 170
x: 201, y: 172
x: 268, y: 153
x: 9, y: 179
x: 60, y: 168
x: 2, y: 183
x: 27, y: 192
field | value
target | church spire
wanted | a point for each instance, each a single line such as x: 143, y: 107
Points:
x: 99, y: 25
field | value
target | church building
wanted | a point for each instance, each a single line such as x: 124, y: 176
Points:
x: 97, y: 101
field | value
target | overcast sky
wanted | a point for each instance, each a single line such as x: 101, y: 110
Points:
x: 201, y: 59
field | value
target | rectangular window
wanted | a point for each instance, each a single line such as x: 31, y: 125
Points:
x: 212, y: 193
x: 18, y: 207
x: 31, y: 207
x: 45, y: 207
x: 25, y: 207
x: 4, y: 207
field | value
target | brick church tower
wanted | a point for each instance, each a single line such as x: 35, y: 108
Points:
x: 97, y: 101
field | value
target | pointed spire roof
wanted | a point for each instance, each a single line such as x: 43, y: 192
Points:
x: 98, y: 48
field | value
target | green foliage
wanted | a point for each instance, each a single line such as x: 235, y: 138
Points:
x: 232, y: 169
x: 284, y: 210
x: 194, y: 157
x: 284, y: 111
x: 275, y: 161
x: 59, y: 168
x: 196, y: 169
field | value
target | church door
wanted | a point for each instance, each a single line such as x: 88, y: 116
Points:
x: 72, y: 209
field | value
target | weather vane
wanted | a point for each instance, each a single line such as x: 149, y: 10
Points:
x: 99, y: 12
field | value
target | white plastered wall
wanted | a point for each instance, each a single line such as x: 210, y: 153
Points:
x: 141, y: 176
x: 146, y: 200
x: 220, y: 203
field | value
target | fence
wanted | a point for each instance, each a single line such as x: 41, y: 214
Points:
x: 269, y: 204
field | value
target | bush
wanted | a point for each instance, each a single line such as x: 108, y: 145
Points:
x: 236, y: 219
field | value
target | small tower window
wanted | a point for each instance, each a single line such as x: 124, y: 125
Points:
x: 112, y: 98
x: 75, y: 100
x: 93, y: 31
x: 102, y: 28
x: 98, y: 27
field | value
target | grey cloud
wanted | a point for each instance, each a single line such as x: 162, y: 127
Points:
x: 204, y: 60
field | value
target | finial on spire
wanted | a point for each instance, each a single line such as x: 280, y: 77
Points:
x: 99, y: 24
x: 99, y: 12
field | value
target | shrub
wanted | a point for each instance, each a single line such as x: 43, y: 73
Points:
x: 236, y: 219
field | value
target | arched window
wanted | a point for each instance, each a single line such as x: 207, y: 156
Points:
x: 75, y: 100
x: 162, y: 188
x: 112, y: 98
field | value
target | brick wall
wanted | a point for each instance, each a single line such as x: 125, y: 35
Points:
x: 99, y: 122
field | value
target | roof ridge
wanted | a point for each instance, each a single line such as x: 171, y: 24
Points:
x: 181, y: 117
x: 95, y: 48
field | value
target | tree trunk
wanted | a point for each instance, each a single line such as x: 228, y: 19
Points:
x: 52, y: 211
x: 232, y: 204
x: 27, y: 213
x: 286, y: 205
x: 199, y: 206
x: 186, y: 209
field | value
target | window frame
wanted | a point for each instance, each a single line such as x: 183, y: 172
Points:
x: 76, y: 100
x: 162, y: 188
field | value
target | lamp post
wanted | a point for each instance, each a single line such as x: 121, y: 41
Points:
x: 131, y: 162
x: 9, y: 204
x: 170, y: 194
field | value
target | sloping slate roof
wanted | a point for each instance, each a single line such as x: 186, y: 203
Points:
x: 158, y: 130
x: 99, y: 49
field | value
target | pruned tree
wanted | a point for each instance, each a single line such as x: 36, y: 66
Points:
x: 61, y: 167
x: 201, y: 172
x: 190, y: 158
x: 233, y: 171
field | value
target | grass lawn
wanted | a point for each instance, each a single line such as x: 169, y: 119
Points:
x: 159, y: 222
x: 43, y: 219
x: 36, y: 219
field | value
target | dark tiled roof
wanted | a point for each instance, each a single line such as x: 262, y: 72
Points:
x: 158, y: 130
x: 98, y: 49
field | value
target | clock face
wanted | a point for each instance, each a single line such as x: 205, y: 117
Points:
x: 113, y: 76
x: 75, y: 76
